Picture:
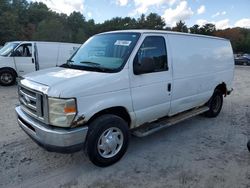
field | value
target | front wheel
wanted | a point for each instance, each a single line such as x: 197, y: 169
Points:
x: 7, y: 77
x: 215, y: 104
x: 107, y: 140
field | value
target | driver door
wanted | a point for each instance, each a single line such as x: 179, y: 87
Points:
x: 151, y: 91
x: 24, y: 58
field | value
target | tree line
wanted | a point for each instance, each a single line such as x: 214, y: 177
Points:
x: 23, y: 20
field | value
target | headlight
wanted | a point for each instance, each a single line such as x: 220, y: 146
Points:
x: 62, y: 111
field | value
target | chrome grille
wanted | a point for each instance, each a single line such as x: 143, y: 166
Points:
x: 31, y: 102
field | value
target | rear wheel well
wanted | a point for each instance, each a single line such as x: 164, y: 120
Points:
x: 118, y: 111
x: 222, y: 88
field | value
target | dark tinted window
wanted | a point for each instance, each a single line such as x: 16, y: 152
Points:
x: 154, y: 47
x: 24, y: 50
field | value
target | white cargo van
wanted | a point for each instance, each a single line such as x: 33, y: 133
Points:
x: 22, y: 57
x: 134, y: 81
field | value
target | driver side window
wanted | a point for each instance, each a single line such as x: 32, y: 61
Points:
x: 154, y: 48
x: 24, y: 50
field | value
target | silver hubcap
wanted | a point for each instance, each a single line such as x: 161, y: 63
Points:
x: 110, y: 142
x: 6, y: 78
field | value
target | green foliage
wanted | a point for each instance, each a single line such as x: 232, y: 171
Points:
x: 25, y: 20
x: 37, y: 12
x: 195, y: 29
x: 152, y: 21
x: 180, y: 27
x: 50, y: 30
x: 207, y: 29
x: 9, y: 27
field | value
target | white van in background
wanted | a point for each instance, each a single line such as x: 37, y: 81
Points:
x: 21, y: 57
x: 137, y: 81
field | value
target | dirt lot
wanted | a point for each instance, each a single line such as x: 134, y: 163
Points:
x: 199, y: 152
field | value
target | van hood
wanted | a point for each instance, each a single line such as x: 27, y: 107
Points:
x: 65, y: 82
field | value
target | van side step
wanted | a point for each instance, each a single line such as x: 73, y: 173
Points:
x: 150, y: 128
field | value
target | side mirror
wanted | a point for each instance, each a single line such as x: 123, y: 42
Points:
x: 15, y: 54
x: 145, y: 66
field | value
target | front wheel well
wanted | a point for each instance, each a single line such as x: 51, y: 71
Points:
x: 9, y: 69
x: 118, y: 111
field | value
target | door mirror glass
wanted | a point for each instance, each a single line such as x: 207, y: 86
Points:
x: 15, y: 54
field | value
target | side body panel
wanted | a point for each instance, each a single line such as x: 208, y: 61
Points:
x: 65, y: 52
x: 52, y: 54
x: 7, y: 62
x: 199, y: 65
x: 47, y: 54
x: 109, y: 91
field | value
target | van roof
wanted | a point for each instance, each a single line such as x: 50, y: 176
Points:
x: 40, y: 42
x: 148, y: 31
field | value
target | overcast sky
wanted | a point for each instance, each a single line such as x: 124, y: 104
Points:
x: 223, y: 13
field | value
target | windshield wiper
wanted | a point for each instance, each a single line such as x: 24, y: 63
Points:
x: 70, y: 62
x: 89, y: 66
x: 90, y: 63
x: 96, y: 66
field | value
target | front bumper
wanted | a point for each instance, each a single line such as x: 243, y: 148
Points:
x: 63, y: 140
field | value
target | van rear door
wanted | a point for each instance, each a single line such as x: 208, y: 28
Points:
x: 24, y: 58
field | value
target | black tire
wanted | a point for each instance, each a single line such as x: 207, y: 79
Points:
x: 97, y: 129
x: 215, y: 104
x: 248, y: 145
x: 7, y: 77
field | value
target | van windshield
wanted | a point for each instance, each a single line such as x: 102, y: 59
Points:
x: 8, y: 48
x: 105, y: 52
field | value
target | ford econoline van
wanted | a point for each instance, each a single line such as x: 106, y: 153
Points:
x: 21, y: 57
x: 122, y: 82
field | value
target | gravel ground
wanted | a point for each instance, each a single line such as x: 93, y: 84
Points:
x: 199, y: 152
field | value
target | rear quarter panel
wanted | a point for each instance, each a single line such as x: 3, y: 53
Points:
x: 199, y: 65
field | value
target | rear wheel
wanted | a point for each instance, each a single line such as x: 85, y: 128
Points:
x: 215, y: 104
x: 7, y: 77
x: 107, y: 140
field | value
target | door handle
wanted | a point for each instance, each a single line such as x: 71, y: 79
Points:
x: 169, y: 87
x: 32, y: 60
